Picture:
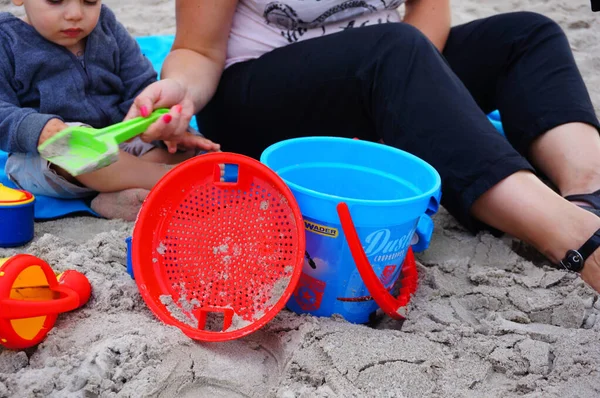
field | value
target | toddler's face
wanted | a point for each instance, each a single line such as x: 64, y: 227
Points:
x: 64, y: 22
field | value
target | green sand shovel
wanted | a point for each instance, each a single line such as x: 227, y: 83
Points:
x: 80, y: 150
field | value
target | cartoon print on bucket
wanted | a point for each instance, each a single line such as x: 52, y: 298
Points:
x: 328, y: 258
x: 385, y: 255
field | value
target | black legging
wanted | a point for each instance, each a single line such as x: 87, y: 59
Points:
x: 388, y: 81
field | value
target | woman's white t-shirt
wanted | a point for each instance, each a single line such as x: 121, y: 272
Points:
x: 260, y: 26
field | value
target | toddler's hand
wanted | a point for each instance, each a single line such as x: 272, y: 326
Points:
x: 51, y: 128
x: 192, y: 141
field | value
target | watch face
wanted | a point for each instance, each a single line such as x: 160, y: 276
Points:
x: 573, y: 261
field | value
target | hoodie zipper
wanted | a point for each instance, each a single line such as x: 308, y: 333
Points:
x: 107, y: 121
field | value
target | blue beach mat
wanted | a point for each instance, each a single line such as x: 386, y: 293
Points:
x: 156, y: 48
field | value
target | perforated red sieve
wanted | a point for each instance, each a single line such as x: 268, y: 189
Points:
x: 218, y: 259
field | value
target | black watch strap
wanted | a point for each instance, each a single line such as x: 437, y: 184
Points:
x: 574, y: 259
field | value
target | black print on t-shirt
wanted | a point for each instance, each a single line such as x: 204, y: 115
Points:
x: 392, y: 4
x: 352, y: 24
x: 285, y: 17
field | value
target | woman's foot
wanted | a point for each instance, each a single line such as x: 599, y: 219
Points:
x: 524, y: 207
x: 123, y: 204
x: 587, y: 201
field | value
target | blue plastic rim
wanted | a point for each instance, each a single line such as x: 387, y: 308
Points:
x: 391, y: 195
x: 16, y: 224
x: 496, y: 121
x: 129, y: 263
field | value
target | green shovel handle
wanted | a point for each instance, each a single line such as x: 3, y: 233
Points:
x: 128, y: 129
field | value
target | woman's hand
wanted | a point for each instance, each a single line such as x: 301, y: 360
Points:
x: 172, y: 127
x: 192, y: 141
x: 191, y: 71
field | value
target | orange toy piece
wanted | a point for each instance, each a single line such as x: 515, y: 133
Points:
x: 32, y: 296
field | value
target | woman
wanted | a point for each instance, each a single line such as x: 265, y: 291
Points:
x: 260, y: 71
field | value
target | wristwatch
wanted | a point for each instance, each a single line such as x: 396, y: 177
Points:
x: 575, y: 259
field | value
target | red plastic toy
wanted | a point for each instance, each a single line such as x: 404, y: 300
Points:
x: 32, y: 296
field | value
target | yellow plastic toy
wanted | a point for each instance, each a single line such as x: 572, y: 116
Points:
x: 16, y: 216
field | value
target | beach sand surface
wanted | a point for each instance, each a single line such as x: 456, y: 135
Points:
x: 490, y: 318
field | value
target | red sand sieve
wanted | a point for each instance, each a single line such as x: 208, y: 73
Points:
x: 218, y: 259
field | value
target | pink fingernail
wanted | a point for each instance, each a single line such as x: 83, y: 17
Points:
x: 144, y: 111
x: 167, y: 118
x: 177, y: 108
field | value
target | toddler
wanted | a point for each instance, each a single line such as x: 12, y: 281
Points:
x: 70, y: 62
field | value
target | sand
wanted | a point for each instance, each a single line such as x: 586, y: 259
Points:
x: 490, y: 318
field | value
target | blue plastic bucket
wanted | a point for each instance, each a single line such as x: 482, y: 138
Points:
x: 391, y: 195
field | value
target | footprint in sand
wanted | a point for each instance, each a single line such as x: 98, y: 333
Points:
x: 246, y: 368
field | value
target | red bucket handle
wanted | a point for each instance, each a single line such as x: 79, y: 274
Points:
x: 394, y: 307
x: 19, y: 309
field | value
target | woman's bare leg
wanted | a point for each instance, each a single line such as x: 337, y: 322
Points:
x: 570, y: 156
x: 523, y: 206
